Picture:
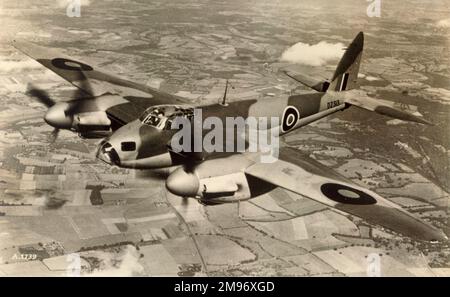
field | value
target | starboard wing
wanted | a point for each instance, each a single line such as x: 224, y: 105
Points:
x: 298, y: 173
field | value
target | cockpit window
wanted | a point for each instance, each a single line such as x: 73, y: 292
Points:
x: 161, y: 116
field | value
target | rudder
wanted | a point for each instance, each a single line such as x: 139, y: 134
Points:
x: 346, y: 73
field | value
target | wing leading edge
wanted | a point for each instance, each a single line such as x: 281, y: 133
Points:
x: 100, y: 82
x: 307, y: 177
x: 95, y: 83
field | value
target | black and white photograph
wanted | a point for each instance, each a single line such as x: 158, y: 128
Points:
x: 208, y: 138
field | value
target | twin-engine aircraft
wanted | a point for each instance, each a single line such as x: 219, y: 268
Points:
x: 137, y: 122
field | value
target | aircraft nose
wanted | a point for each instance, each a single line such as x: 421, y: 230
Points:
x: 56, y: 116
x: 108, y: 154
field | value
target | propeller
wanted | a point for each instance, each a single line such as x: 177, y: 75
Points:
x: 61, y: 116
x: 41, y: 95
x: 153, y: 174
x: 82, y: 96
x: 44, y: 98
x: 54, y: 135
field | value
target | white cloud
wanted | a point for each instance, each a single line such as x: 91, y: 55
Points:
x: 437, y: 94
x: 443, y: 23
x: 314, y: 55
x: 372, y: 78
x: 129, y: 265
x: 18, y: 66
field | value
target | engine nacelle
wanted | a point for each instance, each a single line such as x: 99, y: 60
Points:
x: 225, y: 189
x: 217, y: 181
x: 215, y: 189
x: 94, y: 134
x: 95, y: 120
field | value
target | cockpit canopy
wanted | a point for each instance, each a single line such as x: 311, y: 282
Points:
x: 161, y: 116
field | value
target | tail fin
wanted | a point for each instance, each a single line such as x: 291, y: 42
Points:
x: 346, y: 73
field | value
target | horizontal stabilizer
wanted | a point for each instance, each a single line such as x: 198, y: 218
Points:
x: 384, y: 107
x: 318, y: 85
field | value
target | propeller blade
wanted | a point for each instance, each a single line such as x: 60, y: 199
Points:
x: 152, y: 174
x: 54, y: 135
x: 41, y: 95
x: 82, y: 96
x: 84, y: 86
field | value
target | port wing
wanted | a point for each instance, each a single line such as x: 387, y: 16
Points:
x: 78, y: 72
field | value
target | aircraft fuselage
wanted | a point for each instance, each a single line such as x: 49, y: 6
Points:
x: 141, y: 146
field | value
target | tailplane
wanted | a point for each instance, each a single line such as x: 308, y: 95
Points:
x: 394, y: 110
